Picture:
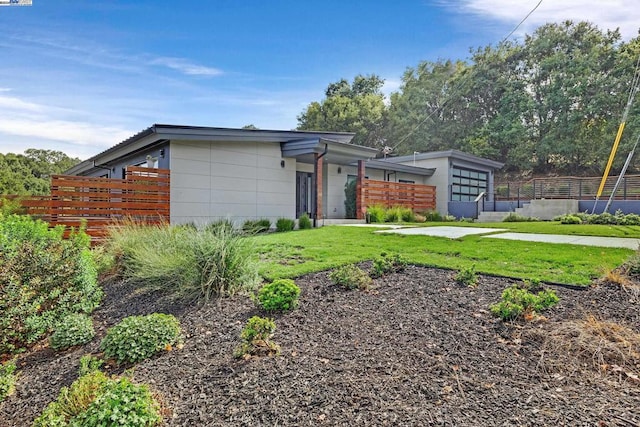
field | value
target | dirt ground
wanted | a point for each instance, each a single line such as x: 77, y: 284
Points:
x: 416, y: 350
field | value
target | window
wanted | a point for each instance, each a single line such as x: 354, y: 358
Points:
x: 406, y: 181
x: 467, y: 184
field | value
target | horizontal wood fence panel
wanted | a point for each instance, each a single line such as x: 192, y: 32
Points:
x: 415, y: 196
x: 98, y: 203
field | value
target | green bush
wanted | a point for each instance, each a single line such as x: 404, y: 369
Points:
x: 570, y: 219
x: 285, y: 224
x: 517, y: 301
x: 95, y: 400
x: 89, y: 363
x: 75, y: 329
x: 467, y: 277
x: 256, y: 226
x: 192, y: 263
x: 388, y: 263
x: 350, y: 199
x: 224, y: 225
x: 399, y: 214
x: 281, y: 294
x: 376, y: 214
x: 304, y: 223
x: 124, y: 404
x: 7, y: 379
x: 514, y: 217
x: 351, y: 277
x: 43, y: 278
x: 256, y: 338
x: 433, y: 216
x: 137, y: 338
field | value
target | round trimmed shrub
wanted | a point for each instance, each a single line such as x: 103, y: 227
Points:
x: 281, y: 294
x: 137, y: 338
x: 75, y: 329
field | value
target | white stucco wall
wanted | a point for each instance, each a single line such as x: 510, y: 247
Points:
x: 239, y: 181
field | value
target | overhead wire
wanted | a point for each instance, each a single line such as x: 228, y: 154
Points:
x: 457, y: 87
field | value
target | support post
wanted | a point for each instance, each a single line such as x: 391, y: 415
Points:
x: 317, y: 186
x: 360, y: 207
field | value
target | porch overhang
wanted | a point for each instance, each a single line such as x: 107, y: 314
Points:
x: 336, y: 152
x: 398, y: 167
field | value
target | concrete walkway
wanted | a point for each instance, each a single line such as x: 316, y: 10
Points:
x: 457, y: 232
x: 606, y: 242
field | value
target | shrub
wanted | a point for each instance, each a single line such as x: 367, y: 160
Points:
x: 137, y: 338
x: 514, y: 217
x: 224, y: 225
x: 304, y: 223
x: 95, y: 400
x: 120, y: 399
x: 517, y: 301
x: 256, y: 338
x: 89, y: 363
x: 256, y: 226
x: 433, y: 216
x: 388, y: 263
x: 285, y: 224
x: 407, y: 215
x: 350, y: 199
x: 393, y: 214
x: 75, y: 329
x: 214, y: 261
x: 467, y: 277
x: 43, y: 278
x: 376, y: 213
x: 281, y: 294
x: 7, y: 379
x: 570, y: 219
x: 351, y: 277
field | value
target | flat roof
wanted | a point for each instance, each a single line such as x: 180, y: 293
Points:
x: 455, y: 154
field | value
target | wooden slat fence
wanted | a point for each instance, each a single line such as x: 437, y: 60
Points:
x: 415, y: 196
x: 143, y: 195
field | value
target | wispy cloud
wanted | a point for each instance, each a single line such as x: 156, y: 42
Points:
x: 186, y: 67
x: 606, y: 14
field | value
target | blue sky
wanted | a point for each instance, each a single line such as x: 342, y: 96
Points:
x: 81, y: 76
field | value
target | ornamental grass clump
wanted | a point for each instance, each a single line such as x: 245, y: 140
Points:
x: 256, y: 338
x: 351, y: 277
x: 190, y: 262
x: 137, y: 338
x: 304, y: 222
x: 279, y: 295
x: 75, y: 329
x: 285, y: 224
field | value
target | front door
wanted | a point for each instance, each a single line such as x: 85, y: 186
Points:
x: 304, y: 191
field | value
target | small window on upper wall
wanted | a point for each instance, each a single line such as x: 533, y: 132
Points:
x: 406, y: 181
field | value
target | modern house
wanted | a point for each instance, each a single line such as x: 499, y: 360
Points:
x: 245, y: 174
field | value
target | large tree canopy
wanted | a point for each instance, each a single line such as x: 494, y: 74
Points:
x: 550, y: 103
x: 349, y: 107
x: 30, y: 173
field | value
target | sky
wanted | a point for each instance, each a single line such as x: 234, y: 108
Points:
x: 81, y: 76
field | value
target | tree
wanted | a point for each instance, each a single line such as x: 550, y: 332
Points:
x: 357, y: 107
x: 30, y: 173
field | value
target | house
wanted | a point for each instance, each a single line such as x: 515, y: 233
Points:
x: 243, y: 174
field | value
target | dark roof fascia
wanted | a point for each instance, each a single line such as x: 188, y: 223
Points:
x: 319, y: 145
x: 454, y: 154
x: 158, y: 132
x: 398, y: 167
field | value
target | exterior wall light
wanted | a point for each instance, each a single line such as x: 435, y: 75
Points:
x: 282, y: 163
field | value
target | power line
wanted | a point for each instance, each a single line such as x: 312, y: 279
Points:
x: 455, y: 88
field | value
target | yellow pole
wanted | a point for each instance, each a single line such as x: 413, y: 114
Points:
x: 611, y: 157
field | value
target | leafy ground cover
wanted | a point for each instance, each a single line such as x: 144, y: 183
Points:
x: 415, y: 349
x: 306, y: 251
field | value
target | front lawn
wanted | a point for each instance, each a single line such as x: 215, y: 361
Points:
x: 296, y: 253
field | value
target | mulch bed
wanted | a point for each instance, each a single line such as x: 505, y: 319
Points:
x: 416, y: 350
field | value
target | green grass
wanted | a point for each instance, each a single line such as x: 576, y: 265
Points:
x: 552, y: 227
x: 292, y: 254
